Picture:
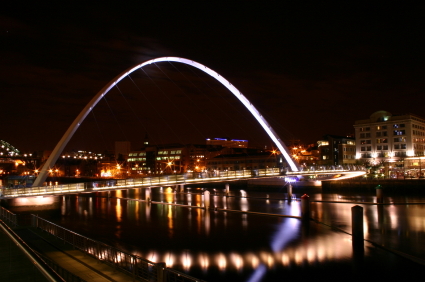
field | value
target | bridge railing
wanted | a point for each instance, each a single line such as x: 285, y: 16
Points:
x: 173, y: 179
x: 136, y: 266
x: 9, y: 217
x: 327, y: 169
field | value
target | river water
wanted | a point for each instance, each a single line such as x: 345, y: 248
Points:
x: 231, y: 243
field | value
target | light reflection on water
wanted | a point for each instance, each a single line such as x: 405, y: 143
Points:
x: 203, y: 242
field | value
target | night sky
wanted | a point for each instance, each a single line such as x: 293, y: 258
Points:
x: 311, y: 69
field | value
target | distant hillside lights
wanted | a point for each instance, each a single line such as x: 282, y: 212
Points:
x: 83, y: 155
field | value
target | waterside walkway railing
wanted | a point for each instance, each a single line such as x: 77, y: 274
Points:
x: 139, y: 268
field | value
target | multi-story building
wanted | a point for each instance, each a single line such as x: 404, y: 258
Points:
x: 336, y: 150
x: 179, y: 158
x: 387, y: 137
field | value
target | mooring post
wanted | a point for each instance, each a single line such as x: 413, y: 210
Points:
x: 357, y: 222
x: 379, y: 194
x: 357, y: 233
x: 305, y: 207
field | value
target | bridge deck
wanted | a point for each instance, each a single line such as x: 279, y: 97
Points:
x: 164, y: 180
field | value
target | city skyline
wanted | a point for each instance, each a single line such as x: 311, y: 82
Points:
x: 313, y: 69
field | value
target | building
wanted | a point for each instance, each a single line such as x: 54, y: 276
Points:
x: 246, y: 159
x: 305, y: 155
x: 385, y: 137
x: 336, y: 150
x: 216, y: 154
x: 227, y: 143
x: 167, y: 159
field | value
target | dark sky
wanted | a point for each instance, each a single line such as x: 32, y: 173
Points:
x: 312, y: 69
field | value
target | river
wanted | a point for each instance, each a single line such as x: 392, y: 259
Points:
x: 232, y: 243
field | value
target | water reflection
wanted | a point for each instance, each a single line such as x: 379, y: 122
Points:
x: 194, y: 239
x: 318, y: 250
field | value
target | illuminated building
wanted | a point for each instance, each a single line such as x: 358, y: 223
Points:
x: 81, y: 163
x: 306, y: 156
x: 389, y: 138
x: 220, y: 153
x: 167, y: 159
x: 336, y: 150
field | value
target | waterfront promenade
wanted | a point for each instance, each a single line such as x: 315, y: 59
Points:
x: 61, y: 258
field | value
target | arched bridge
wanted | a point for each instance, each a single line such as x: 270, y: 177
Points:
x: 80, y: 118
x: 38, y: 185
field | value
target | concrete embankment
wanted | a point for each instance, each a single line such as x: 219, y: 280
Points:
x: 391, y: 185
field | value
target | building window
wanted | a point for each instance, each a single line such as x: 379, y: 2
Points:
x: 368, y: 148
x: 399, y: 132
x: 400, y: 139
x: 363, y: 149
x: 403, y: 146
x: 383, y: 140
x: 399, y: 125
x: 385, y: 147
x: 396, y: 146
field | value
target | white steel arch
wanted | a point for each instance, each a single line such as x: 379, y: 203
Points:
x: 80, y: 118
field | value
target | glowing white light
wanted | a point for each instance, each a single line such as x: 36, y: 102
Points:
x: 187, y: 261
x: 80, y: 118
x: 221, y: 261
x: 204, y: 261
x: 169, y: 260
x: 236, y: 260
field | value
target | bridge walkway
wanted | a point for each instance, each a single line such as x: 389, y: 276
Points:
x: 74, y: 261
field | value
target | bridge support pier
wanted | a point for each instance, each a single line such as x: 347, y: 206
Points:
x: 180, y: 188
x: 148, y: 194
x: 207, y: 199
x: 289, y: 190
x: 227, y: 188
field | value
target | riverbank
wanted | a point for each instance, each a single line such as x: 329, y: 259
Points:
x: 361, y: 184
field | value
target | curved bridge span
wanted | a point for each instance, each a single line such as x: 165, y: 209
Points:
x: 170, y: 180
x: 80, y: 118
